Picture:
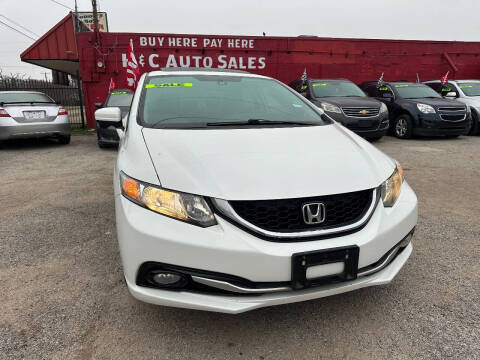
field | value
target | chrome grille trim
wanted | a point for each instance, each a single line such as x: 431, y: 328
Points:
x: 226, y: 209
x: 355, y: 111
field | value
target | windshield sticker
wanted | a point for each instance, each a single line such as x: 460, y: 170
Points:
x: 304, y: 87
x: 401, y: 85
x: 465, y: 86
x: 168, y: 85
x: 319, y: 84
x: 383, y: 88
x: 118, y: 92
x: 446, y: 89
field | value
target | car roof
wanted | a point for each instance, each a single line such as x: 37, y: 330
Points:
x: 204, y: 71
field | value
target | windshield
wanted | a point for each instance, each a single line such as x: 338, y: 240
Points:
x: 470, y: 88
x: 415, y: 91
x: 119, y: 98
x: 203, y: 100
x: 336, y: 88
x: 24, y: 97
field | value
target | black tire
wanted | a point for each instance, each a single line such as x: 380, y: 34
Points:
x: 64, y: 139
x: 102, y: 145
x: 452, y: 136
x: 474, y: 129
x: 403, y: 127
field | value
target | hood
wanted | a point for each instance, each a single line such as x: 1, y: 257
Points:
x: 350, y: 101
x: 266, y: 163
x: 435, y: 102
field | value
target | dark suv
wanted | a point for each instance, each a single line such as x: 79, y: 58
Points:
x: 106, y: 132
x: 416, y: 109
x: 346, y: 103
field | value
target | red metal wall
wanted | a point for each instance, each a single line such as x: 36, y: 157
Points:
x: 283, y: 58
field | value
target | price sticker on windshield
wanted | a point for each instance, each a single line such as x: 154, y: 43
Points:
x: 168, y: 85
x: 118, y: 92
x: 319, y: 84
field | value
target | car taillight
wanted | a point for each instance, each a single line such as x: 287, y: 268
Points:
x: 62, y: 111
x: 4, y: 113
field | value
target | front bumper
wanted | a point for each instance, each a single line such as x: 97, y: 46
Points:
x: 433, y: 125
x: 145, y: 236
x: 10, y: 129
x: 355, y: 124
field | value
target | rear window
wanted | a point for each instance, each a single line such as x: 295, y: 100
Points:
x: 201, y: 100
x: 119, y: 98
x: 470, y: 88
x: 336, y: 88
x: 24, y: 97
x: 415, y: 91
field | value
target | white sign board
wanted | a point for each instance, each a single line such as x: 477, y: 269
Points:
x: 87, y: 19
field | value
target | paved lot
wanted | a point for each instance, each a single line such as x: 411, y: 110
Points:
x: 62, y: 295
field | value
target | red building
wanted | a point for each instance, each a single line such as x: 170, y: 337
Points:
x: 100, y: 57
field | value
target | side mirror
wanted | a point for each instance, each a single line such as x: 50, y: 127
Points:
x: 451, y: 94
x: 110, y: 114
x: 98, y: 105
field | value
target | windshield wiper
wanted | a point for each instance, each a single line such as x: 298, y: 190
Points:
x: 258, y: 122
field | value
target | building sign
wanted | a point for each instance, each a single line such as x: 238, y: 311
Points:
x: 156, y: 52
x: 87, y: 19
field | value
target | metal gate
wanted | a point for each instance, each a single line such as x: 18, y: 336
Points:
x: 69, y: 96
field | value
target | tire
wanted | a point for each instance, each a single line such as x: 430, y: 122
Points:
x: 403, y: 127
x: 64, y: 139
x: 474, y: 129
x: 452, y: 136
x: 101, y: 145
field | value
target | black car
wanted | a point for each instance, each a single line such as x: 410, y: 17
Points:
x: 416, y: 109
x: 107, y: 132
x: 346, y: 103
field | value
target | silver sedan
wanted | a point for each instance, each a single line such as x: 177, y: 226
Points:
x: 31, y: 114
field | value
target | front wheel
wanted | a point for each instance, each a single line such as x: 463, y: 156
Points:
x: 402, y: 127
x: 64, y: 139
x: 475, y: 125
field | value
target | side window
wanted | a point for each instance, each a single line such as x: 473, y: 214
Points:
x: 435, y: 86
x: 384, y: 92
x: 371, y: 91
x: 448, y: 89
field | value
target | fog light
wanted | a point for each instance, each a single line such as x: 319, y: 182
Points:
x: 406, y: 240
x: 169, y: 279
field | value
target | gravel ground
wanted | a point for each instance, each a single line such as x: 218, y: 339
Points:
x: 62, y: 294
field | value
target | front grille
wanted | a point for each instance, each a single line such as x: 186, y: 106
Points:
x: 361, y: 112
x: 452, y: 113
x: 286, y: 215
x: 362, y: 125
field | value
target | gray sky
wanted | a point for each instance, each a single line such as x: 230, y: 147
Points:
x: 394, y: 19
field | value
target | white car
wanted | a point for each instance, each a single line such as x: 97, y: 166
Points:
x: 233, y: 192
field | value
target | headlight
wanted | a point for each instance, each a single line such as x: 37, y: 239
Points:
x: 186, y: 207
x: 390, y: 189
x: 426, y: 109
x: 383, y: 108
x: 329, y: 107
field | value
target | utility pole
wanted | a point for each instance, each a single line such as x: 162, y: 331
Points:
x: 76, y: 17
x: 95, y: 16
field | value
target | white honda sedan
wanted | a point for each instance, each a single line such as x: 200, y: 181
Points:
x: 233, y: 193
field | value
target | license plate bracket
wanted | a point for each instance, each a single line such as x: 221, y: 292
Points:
x: 34, y: 115
x: 302, y: 261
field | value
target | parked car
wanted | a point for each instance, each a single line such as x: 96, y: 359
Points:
x: 106, y: 131
x: 233, y: 192
x: 416, y: 109
x: 464, y: 91
x: 32, y: 114
x: 346, y: 103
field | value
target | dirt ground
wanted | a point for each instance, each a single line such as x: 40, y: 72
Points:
x: 62, y: 293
